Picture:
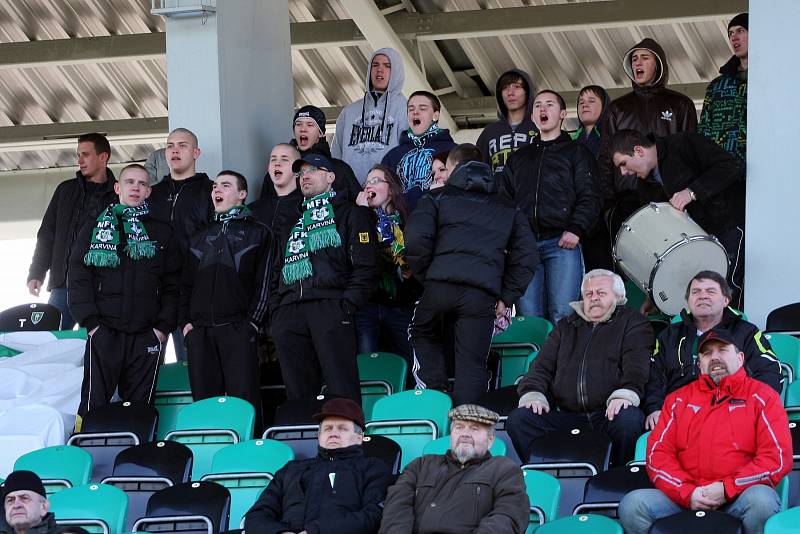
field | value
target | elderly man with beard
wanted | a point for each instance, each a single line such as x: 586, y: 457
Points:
x: 722, y: 443
x: 436, y: 492
x: 590, y: 373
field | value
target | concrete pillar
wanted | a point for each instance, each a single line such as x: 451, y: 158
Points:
x: 229, y: 77
x: 773, y: 188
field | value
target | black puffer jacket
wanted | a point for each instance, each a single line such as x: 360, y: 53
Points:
x: 61, y: 223
x: 279, y: 213
x: 463, y: 233
x: 555, y: 183
x: 582, y: 364
x: 183, y: 204
x: 716, y: 177
x: 227, y: 274
x: 133, y: 297
x: 304, y: 496
x: 674, y: 360
x: 646, y: 109
x: 347, y: 272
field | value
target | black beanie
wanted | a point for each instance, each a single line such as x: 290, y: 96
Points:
x: 739, y: 20
x: 24, y: 480
x: 312, y: 112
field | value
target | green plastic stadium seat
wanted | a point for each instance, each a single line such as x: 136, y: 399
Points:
x: 245, y: 469
x: 59, y: 467
x: 441, y: 445
x: 581, y: 524
x: 172, y: 393
x: 792, y: 402
x: 412, y: 419
x: 381, y: 374
x: 787, y: 349
x: 523, y: 336
x: 95, y: 507
x: 544, y: 493
x: 785, y: 522
x: 640, y: 454
x: 208, y: 425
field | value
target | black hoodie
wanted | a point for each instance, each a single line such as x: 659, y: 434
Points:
x: 183, y: 204
x: 463, y: 233
x: 499, y: 139
x: 594, y: 138
x: 647, y: 109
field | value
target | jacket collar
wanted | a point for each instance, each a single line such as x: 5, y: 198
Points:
x: 107, y: 185
x: 729, y: 385
x: 729, y: 317
x: 450, y: 458
x: 353, y: 451
x: 578, y: 307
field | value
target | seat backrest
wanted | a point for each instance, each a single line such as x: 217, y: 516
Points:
x: 582, y: 524
x: 89, y: 504
x: 138, y: 418
x: 253, y: 456
x: 229, y: 413
x: 792, y: 401
x: 640, y: 454
x: 572, y: 446
x: 533, y: 330
x: 544, y: 493
x: 427, y: 404
x: 165, y: 459
x: 698, y: 521
x: 34, y: 317
x: 784, y: 319
x: 786, y: 348
x: 302, y: 439
x: 168, y: 405
x: 192, y: 499
x: 173, y: 377
x: 441, y: 446
x: 383, y: 366
x: 300, y: 411
x: 784, y: 522
x: 604, y: 491
x: 385, y: 449
x: 59, y: 467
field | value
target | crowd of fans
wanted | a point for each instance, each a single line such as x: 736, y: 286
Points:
x: 395, y: 238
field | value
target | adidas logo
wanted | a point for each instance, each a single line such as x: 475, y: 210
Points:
x: 666, y: 116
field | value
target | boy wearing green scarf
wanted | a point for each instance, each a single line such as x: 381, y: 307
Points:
x: 224, y: 296
x: 123, y: 288
x: 327, y: 270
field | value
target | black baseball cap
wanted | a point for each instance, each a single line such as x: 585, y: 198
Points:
x: 317, y: 160
x: 716, y: 334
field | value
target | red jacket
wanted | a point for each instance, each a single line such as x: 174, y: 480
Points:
x: 736, y: 432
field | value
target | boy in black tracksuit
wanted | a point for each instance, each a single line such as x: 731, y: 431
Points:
x: 123, y: 288
x: 281, y: 206
x: 323, y: 273
x: 224, y: 297
x: 476, y: 255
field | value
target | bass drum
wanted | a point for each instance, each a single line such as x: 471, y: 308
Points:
x: 660, y: 249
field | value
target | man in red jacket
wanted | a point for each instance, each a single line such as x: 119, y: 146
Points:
x: 722, y: 443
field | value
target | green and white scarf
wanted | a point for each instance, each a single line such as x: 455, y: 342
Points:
x: 314, y: 231
x: 103, y: 249
x: 232, y: 213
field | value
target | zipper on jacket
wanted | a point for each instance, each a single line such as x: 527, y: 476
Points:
x: 582, y: 372
x: 536, y: 195
x: 175, y: 199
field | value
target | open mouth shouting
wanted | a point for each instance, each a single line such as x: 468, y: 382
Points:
x: 218, y: 199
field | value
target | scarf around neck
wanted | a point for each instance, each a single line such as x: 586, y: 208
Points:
x: 104, y: 247
x: 419, y: 140
x: 232, y: 213
x: 315, y: 230
x: 392, y: 242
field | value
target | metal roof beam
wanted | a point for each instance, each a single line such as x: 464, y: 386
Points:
x: 63, y: 135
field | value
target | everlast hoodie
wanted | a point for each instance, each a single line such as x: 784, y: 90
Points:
x: 368, y: 128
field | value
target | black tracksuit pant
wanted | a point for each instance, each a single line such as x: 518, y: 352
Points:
x: 223, y: 360
x: 119, y: 360
x: 316, y: 341
x: 471, y: 311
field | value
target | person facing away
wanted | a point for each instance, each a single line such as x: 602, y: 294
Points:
x: 371, y: 126
x: 514, y: 127
x: 475, y: 255
x: 74, y: 202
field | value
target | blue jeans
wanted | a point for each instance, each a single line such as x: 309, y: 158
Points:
x: 556, y: 282
x: 641, y: 508
x: 59, y: 299
x: 376, y: 322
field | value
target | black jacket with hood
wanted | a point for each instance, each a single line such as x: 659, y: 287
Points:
x: 463, y: 233
x: 555, y: 184
x: 593, y: 140
x: 584, y: 365
x: 338, y: 491
x: 715, y: 177
x: 227, y: 274
x: 646, y: 109
x: 345, y: 178
x: 135, y: 296
x: 499, y: 139
x: 348, y: 272
x: 183, y: 204
x: 674, y: 360
x: 61, y: 224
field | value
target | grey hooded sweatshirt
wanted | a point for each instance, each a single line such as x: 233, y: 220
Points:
x: 368, y: 128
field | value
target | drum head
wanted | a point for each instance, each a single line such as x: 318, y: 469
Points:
x: 673, y: 271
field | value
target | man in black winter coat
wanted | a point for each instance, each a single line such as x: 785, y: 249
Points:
x: 182, y: 200
x: 338, y: 491
x: 225, y: 296
x: 124, y: 276
x: 590, y: 373
x: 694, y: 174
x: 280, y: 210
x: 674, y: 361
x: 475, y: 255
x: 74, y: 202
x: 323, y: 273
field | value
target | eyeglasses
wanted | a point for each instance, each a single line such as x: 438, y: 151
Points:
x: 308, y: 170
x: 375, y: 181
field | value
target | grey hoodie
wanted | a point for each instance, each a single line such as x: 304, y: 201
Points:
x: 368, y: 128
